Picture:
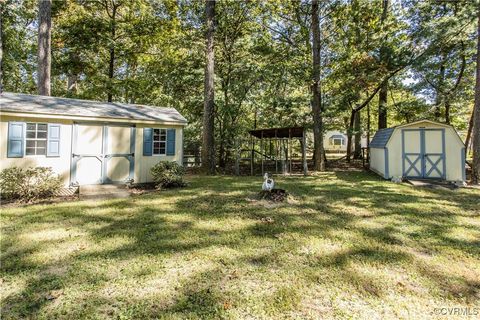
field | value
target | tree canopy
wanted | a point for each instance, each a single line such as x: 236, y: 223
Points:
x: 152, y: 52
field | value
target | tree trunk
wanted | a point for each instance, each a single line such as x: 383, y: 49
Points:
x: 447, y: 110
x: 382, y: 107
x: 319, y: 162
x: 469, y: 132
x: 111, y: 67
x: 208, y: 148
x: 383, y: 94
x: 111, y: 62
x: 440, y: 90
x: 357, y: 153
x: 368, y: 125
x: 44, y: 46
x: 476, y: 113
x: 1, y: 48
x: 350, y: 134
x: 72, y: 84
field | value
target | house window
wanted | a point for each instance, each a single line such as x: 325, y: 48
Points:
x: 36, y: 141
x: 159, y: 141
x: 338, y: 142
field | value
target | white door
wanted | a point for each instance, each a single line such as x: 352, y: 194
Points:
x: 423, y: 153
x: 88, y: 153
x: 102, y: 154
x: 120, y: 143
x: 434, y: 153
x: 412, y: 153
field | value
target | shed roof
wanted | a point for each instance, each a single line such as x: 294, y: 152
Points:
x: 25, y: 103
x: 287, y: 132
x: 414, y: 123
x: 381, y: 138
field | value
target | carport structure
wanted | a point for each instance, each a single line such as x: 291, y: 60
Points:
x: 277, y: 149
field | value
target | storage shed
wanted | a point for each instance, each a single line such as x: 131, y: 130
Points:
x: 421, y: 149
x: 88, y: 142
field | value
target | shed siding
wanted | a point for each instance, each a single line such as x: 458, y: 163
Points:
x: 60, y: 164
x: 453, y: 147
x: 394, y: 146
x: 143, y: 164
x: 453, y: 156
x: 377, y: 160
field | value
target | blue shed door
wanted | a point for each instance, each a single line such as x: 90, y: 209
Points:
x: 423, y: 153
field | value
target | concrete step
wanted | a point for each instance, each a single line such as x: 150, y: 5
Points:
x: 430, y: 183
x: 103, y: 191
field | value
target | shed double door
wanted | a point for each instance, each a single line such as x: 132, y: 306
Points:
x: 423, y: 153
x: 102, y: 153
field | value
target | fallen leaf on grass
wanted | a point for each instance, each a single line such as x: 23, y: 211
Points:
x: 227, y: 305
x: 233, y: 275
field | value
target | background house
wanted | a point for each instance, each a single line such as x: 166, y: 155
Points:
x: 335, y: 141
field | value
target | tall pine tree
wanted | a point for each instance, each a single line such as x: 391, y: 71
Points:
x: 44, y: 46
x: 208, y: 147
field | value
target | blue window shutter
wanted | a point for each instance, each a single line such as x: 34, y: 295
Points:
x: 53, y: 143
x: 15, y: 139
x: 171, y: 142
x: 147, y: 141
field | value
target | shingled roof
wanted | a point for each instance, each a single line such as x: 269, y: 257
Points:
x: 25, y: 103
x: 381, y: 138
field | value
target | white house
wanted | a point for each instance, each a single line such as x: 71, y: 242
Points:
x: 335, y: 141
x: 421, y: 149
x: 88, y: 142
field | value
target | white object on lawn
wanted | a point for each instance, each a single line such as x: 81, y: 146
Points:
x: 460, y: 184
x: 267, y: 183
x: 397, y: 179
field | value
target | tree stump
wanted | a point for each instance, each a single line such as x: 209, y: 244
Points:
x: 275, y: 195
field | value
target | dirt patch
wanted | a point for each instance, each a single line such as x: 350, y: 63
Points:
x: 343, y: 165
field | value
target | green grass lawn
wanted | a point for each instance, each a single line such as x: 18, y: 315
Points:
x: 346, y: 245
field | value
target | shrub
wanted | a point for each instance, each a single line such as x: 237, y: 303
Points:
x: 168, y: 174
x: 28, y: 184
